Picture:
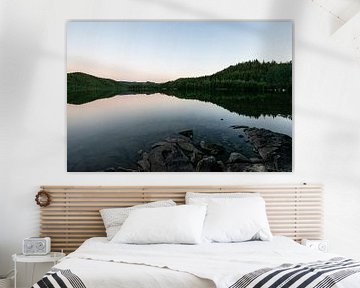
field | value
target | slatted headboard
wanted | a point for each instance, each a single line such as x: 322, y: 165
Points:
x: 73, y: 215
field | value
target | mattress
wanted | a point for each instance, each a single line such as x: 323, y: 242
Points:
x: 99, y: 263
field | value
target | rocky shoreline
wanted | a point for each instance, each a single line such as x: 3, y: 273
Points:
x: 274, y: 148
x: 180, y: 154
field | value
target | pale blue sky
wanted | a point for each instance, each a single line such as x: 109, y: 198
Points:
x: 161, y: 51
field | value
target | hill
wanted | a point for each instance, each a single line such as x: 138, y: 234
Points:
x: 83, y: 88
x: 249, y: 77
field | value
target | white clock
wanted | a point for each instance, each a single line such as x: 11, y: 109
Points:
x: 36, y: 246
x: 320, y: 245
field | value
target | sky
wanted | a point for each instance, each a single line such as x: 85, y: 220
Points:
x: 160, y: 51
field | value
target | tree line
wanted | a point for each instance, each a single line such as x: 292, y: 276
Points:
x: 251, y: 77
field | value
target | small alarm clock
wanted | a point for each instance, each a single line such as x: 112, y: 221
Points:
x: 36, y: 246
x: 320, y: 245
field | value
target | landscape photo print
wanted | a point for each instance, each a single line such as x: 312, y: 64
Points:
x: 179, y: 96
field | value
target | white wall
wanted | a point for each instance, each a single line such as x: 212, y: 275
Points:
x: 33, y: 116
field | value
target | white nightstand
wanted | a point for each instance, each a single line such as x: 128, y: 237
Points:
x: 320, y: 245
x: 53, y: 257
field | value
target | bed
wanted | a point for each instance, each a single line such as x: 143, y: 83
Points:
x: 294, y: 211
x: 99, y: 263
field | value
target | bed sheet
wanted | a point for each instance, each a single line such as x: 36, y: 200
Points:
x: 100, y: 263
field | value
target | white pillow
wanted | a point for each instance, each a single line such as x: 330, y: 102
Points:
x: 113, y: 218
x: 204, y: 198
x: 236, y: 220
x: 173, y: 225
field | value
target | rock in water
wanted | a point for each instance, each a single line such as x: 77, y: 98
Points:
x: 255, y: 160
x: 246, y: 167
x: 213, y: 149
x: 165, y: 157
x: 209, y: 164
x: 178, y: 162
x: 236, y: 157
x: 266, y: 151
x: 196, y: 156
x: 187, y: 146
x: 123, y: 169
x: 221, y: 166
x: 144, y: 165
x: 255, y: 168
x: 187, y: 133
x: 239, y: 126
x: 159, y: 144
x: 274, y: 148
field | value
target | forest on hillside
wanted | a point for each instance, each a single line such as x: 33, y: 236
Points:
x: 250, y: 77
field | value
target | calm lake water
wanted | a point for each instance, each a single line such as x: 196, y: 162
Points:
x: 109, y: 132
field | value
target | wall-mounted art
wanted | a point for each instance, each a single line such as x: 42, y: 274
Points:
x: 171, y: 96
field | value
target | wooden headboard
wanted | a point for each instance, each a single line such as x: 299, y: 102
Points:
x: 73, y: 215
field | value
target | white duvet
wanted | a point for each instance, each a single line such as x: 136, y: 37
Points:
x: 100, y: 263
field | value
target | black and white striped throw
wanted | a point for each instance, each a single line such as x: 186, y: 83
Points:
x: 320, y: 274
x: 59, y: 278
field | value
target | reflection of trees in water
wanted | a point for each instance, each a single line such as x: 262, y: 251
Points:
x: 252, y: 105
x: 86, y: 96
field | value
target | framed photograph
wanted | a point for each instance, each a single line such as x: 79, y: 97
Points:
x: 179, y: 96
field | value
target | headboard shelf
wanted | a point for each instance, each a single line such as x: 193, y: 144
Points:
x: 73, y: 216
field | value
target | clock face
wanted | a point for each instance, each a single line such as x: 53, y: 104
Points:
x: 40, y: 245
x: 29, y: 245
x: 322, y: 247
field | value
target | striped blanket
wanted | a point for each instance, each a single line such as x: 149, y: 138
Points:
x: 320, y: 274
x: 59, y: 278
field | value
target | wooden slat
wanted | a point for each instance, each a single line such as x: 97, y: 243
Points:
x: 73, y: 216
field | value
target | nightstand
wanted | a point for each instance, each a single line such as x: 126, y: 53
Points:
x: 320, y: 245
x: 52, y: 257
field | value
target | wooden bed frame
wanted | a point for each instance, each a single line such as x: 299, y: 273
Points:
x: 73, y: 214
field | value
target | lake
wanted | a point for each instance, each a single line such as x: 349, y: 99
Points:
x: 112, y: 132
